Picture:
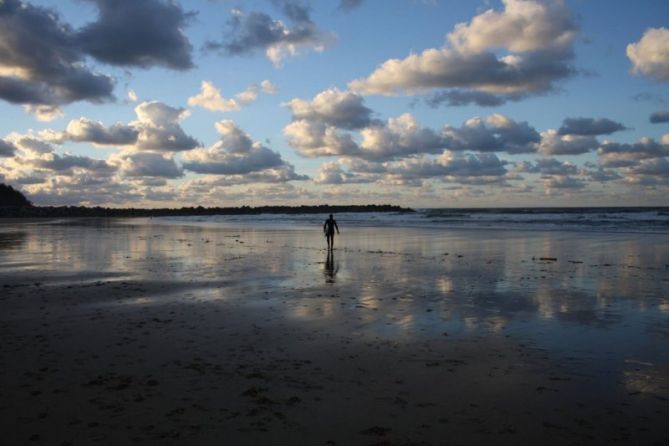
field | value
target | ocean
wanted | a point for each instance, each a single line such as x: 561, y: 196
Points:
x: 613, y: 219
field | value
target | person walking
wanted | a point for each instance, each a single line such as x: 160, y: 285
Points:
x: 329, y: 229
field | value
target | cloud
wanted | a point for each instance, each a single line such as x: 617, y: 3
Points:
x: 659, y: 117
x: 67, y: 162
x: 589, y: 126
x: 523, y: 26
x: 450, y: 166
x: 336, y: 108
x: 464, y: 97
x: 652, y: 166
x: 613, y: 154
x: 268, y: 87
x: 495, y: 133
x: 40, y: 59
x: 143, y: 34
x: 236, y: 155
x: 537, y: 35
x: 159, y: 129
x: 315, y: 132
x: 604, y: 175
x: 44, y: 113
x: 253, y: 31
x: 480, y: 168
x: 156, y: 129
x: 313, y: 139
x: 555, y: 143
x: 7, y: 149
x: 650, y: 55
x: 333, y: 173
x: 547, y: 167
x: 146, y: 164
x: 210, y: 97
x: 85, y: 130
x: 562, y: 182
x: 29, y: 144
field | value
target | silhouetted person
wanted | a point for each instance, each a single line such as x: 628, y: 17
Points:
x: 329, y: 229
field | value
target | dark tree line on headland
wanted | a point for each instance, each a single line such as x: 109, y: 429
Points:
x: 20, y: 207
x: 11, y: 197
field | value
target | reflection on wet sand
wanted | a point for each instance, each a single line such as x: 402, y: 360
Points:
x: 331, y: 268
x: 180, y: 309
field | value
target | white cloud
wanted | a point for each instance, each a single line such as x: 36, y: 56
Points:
x: 650, y: 55
x: 269, y: 87
x: 211, y: 98
x: 146, y: 164
x: 537, y: 34
x: 341, y: 109
x: 45, y: 113
x: 159, y: 129
x: 240, y: 158
x: 554, y: 143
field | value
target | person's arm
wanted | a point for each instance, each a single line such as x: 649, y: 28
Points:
x: 325, y: 227
x: 337, y: 227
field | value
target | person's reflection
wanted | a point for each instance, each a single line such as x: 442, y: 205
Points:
x: 330, y: 267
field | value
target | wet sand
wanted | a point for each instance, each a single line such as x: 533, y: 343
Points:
x: 144, y: 332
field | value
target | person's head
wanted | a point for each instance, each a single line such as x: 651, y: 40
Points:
x: 330, y: 216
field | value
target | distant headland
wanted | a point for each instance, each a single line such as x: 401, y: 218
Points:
x: 13, y: 204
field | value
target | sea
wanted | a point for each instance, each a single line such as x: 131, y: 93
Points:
x: 599, y: 219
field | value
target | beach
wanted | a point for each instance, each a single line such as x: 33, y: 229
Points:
x: 168, y: 331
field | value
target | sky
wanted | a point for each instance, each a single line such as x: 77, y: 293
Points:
x: 420, y: 103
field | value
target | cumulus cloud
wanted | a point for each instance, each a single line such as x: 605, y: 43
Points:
x: 336, y: 108
x: 464, y: 168
x: 613, y: 154
x: 43, y: 60
x: 237, y: 155
x: 333, y: 173
x: 317, y: 127
x: 211, y: 98
x: 138, y: 33
x: 555, y: 143
x: 60, y: 163
x: 313, y: 139
x: 495, y: 133
x: 253, y: 31
x: 146, y: 164
x: 40, y: 59
x: 589, y: 126
x: 536, y: 34
x: 659, y: 117
x: 159, y: 130
x: 479, y: 168
x: 6, y: 148
x: 562, y: 182
x: 85, y: 130
x: 650, y: 55
x: 547, y: 167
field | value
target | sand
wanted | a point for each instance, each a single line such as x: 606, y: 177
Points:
x: 147, y: 332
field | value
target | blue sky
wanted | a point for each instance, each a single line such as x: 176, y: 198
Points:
x: 419, y: 103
